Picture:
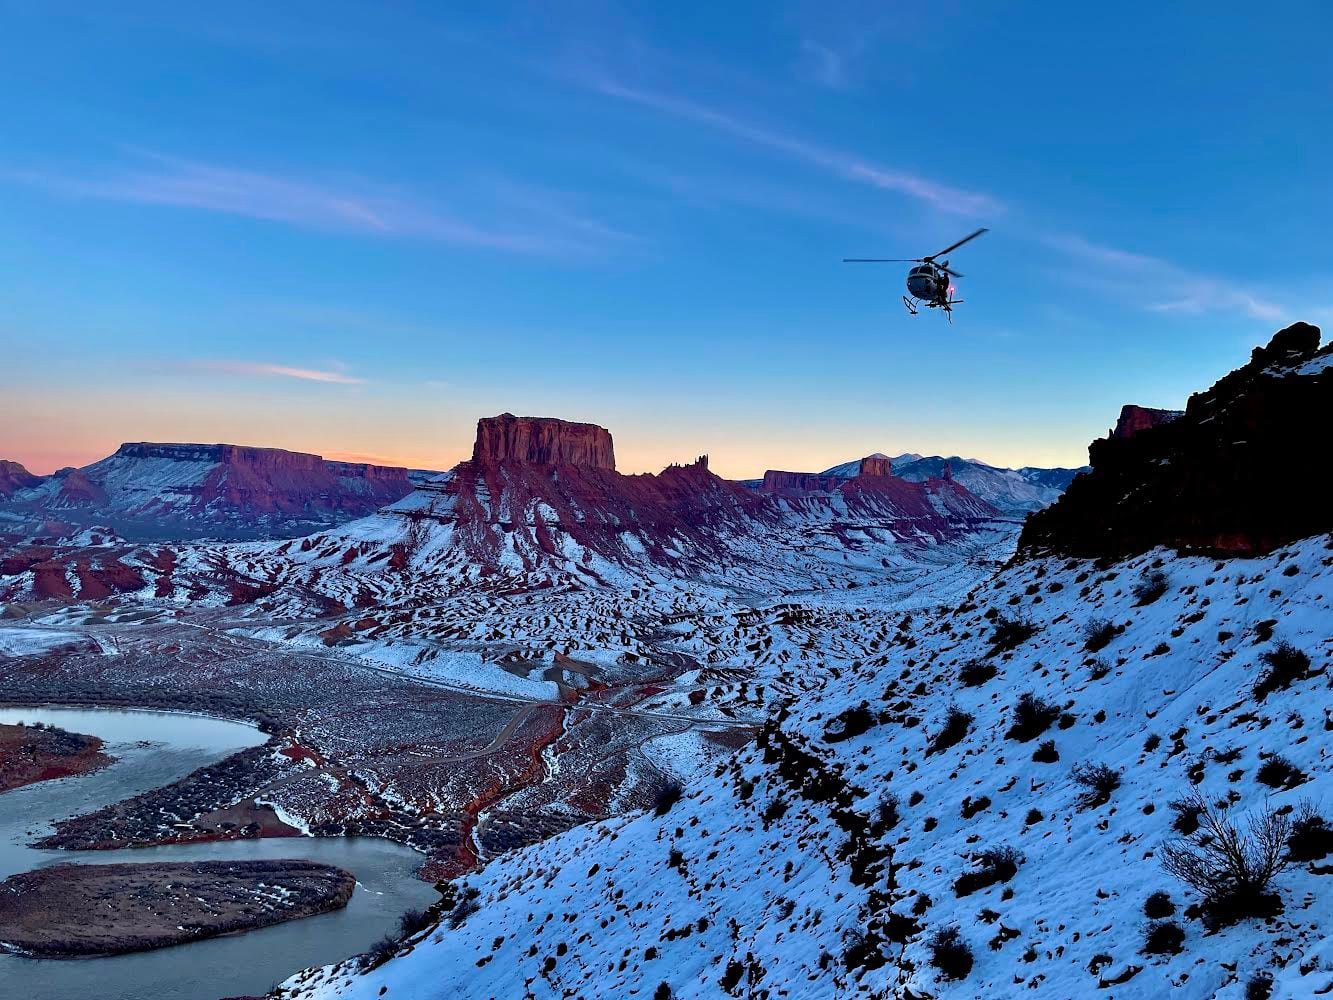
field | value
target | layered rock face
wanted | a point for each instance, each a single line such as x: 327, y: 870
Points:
x: 14, y: 477
x: 1141, y: 418
x: 876, y: 465
x: 795, y: 483
x: 799, y: 483
x: 543, y: 441
x: 1215, y: 479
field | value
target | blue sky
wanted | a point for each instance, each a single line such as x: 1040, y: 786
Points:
x: 355, y: 228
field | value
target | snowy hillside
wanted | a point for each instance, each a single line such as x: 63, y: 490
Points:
x: 826, y: 859
x: 998, y: 794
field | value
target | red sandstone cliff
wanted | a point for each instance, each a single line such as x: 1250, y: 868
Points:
x: 876, y: 465
x: 543, y: 441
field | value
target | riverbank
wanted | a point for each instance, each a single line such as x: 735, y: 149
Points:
x: 78, y: 911
x: 33, y: 753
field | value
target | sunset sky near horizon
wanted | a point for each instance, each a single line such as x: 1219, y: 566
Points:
x: 354, y: 228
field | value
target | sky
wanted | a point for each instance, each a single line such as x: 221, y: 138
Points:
x: 354, y: 228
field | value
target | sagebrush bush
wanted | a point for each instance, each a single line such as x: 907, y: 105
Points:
x: 1097, y: 781
x: 1031, y: 717
x: 952, y: 731
x: 1311, y: 837
x: 464, y: 906
x: 667, y: 795
x: 950, y: 954
x: 1164, y: 937
x: 412, y: 922
x: 994, y: 865
x: 378, y: 953
x: 1278, y: 772
x: 1098, y: 633
x: 1046, y: 753
x: 975, y: 673
x: 1286, y: 665
x: 1231, y: 870
x: 1187, y: 815
x: 1150, y: 586
x: 1158, y: 906
x: 1010, y: 633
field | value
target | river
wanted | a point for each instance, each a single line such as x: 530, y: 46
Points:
x: 154, y: 749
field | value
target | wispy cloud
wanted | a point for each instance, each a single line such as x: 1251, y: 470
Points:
x: 838, y: 162
x: 260, y: 369
x: 360, y: 208
x: 1162, y: 286
x: 826, y: 66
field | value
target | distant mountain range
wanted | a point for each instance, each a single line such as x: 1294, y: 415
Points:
x: 1013, y: 492
x: 177, y: 491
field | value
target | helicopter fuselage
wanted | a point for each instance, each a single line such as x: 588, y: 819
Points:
x: 928, y: 283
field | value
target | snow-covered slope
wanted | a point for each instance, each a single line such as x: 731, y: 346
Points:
x: 974, y: 800
x: 820, y: 865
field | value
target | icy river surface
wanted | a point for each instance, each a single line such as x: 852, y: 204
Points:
x: 153, y: 749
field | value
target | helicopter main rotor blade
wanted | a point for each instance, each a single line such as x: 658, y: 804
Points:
x: 965, y: 239
x: 952, y: 273
x: 883, y: 260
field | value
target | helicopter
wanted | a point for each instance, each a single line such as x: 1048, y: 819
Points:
x: 928, y: 283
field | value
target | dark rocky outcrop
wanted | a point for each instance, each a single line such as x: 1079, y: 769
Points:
x: 1135, y: 418
x: 1217, y: 479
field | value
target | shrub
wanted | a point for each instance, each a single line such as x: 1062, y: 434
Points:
x: 1100, y: 668
x: 997, y: 864
x: 378, y: 953
x: 1187, y: 816
x: 975, y: 673
x: 1232, y: 870
x: 1010, y: 633
x: 1259, y: 986
x: 1311, y: 837
x: 1098, y: 633
x: 1278, y: 772
x: 464, y: 907
x: 1098, y: 782
x: 1150, y: 586
x: 1286, y: 665
x: 1164, y: 937
x: 956, y: 725
x: 1158, y: 906
x: 412, y: 922
x: 666, y: 797
x: 1031, y: 718
x: 849, y: 723
x: 950, y: 954
x: 1046, y: 753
